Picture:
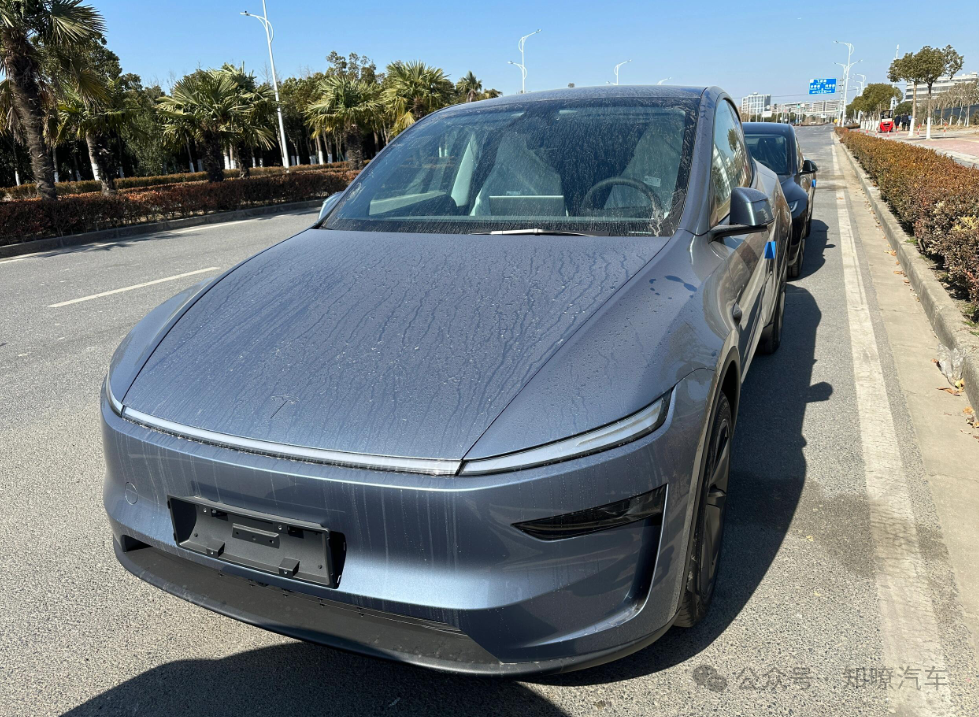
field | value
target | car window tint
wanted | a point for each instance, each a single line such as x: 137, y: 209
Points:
x: 612, y: 166
x: 729, y: 161
x: 772, y: 150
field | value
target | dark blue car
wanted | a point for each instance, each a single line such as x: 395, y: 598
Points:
x: 777, y: 147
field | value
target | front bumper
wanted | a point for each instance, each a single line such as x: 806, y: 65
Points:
x: 434, y: 573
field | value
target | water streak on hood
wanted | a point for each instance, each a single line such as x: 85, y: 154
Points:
x: 393, y: 344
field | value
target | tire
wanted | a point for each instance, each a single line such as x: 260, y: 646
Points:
x: 771, y: 335
x: 707, y: 531
x: 795, y: 268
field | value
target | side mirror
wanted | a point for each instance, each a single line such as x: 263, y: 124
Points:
x: 751, y: 212
x: 327, y: 205
x: 809, y: 167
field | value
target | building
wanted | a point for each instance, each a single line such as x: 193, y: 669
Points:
x: 828, y: 108
x: 944, y: 84
x: 755, y: 104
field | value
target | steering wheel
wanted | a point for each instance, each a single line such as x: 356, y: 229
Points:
x: 640, y: 187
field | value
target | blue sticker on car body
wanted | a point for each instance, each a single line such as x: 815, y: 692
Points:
x: 770, y: 250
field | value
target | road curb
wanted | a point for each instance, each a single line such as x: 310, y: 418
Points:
x: 38, y: 245
x: 946, y: 320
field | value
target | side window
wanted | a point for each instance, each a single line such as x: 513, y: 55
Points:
x: 729, y: 161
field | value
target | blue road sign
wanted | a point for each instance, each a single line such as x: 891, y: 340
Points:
x: 822, y: 87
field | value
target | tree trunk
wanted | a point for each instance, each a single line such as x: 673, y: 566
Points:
x: 190, y: 157
x: 26, y: 95
x: 355, y: 152
x: 914, y: 107
x: 212, y: 158
x: 101, y: 159
x: 244, y: 170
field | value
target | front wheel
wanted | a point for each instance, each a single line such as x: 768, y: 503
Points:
x: 795, y: 268
x: 708, y: 527
x: 771, y: 336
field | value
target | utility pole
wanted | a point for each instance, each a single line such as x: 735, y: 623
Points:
x: 269, y: 34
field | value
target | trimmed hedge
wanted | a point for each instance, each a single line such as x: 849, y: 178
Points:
x: 87, y: 186
x: 28, y: 219
x: 935, y: 198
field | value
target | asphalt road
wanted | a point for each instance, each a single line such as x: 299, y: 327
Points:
x: 824, y: 592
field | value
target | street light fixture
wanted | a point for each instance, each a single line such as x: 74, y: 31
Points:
x: 269, y: 34
x: 665, y: 79
x: 522, y: 64
x: 617, y: 70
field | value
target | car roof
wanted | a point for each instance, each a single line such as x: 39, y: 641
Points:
x: 769, y: 128
x: 585, y: 93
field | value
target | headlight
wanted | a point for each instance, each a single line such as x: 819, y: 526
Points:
x: 113, y: 401
x: 615, y: 434
x: 793, y: 206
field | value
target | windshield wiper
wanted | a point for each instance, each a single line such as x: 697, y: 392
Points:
x: 537, y: 232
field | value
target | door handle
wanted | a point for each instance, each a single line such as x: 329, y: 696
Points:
x: 736, y: 313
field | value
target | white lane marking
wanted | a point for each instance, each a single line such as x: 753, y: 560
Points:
x: 202, y: 227
x: 910, y: 630
x: 130, y: 288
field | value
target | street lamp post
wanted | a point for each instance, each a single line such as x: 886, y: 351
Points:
x: 522, y: 64
x: 846, y: 76
x: 523, y: 74
x: 665, y: 79
x: 859, y: 90
x: 269, y: 34
x: 617, y: 70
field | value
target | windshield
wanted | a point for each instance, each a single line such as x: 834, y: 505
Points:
x: 772, y: 150
x: 607, y: 167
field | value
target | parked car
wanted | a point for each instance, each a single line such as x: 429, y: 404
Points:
x: 479, y: 416
x: 777, y: 147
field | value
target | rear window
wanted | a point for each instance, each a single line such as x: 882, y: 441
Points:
x: 609, y: 167
x: 772, y: 150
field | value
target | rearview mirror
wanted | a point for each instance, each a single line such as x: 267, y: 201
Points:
x: 751, y: 212
x: 809, y: 167
x: 327, y: 205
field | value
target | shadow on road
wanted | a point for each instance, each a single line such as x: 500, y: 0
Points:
x: 768, y: 473
x: 300, y: 679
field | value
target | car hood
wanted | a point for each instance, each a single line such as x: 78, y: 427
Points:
x: 386, y: 344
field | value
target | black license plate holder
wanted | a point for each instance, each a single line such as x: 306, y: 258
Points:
x: 292, y: 549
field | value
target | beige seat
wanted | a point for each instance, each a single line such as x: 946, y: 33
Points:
x: 655, y: 163
x: 517, y: 171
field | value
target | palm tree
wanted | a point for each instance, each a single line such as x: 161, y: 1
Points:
x: 348, y: 108
x: 93, y: 121
x: 469, y: 87
x: 413, y: 90
x: 251, y: 126
x: 212, y: 108
x: 27, y: 29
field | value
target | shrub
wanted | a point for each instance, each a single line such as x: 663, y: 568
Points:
x: 88, y: 186
x: 934, y: 198
x: 27, y: 219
